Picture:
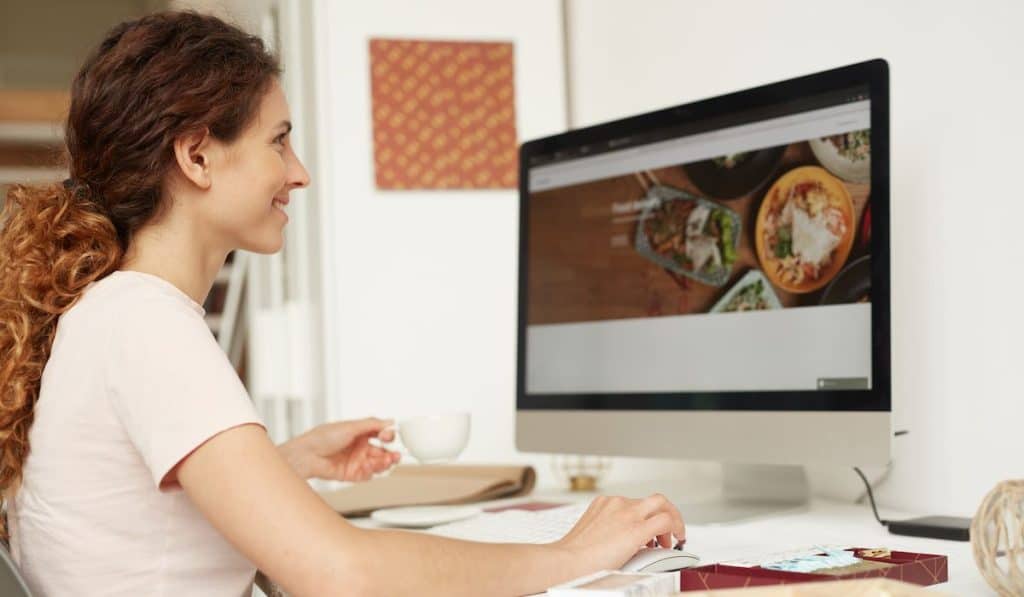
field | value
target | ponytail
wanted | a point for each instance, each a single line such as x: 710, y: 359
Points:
x: 54, y: 241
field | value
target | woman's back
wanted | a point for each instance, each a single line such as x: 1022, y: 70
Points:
x: 134, y: 382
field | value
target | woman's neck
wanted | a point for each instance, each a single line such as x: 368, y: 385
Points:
x: 177, y: 257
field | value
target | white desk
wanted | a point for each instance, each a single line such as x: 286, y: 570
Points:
x: 825, y: 522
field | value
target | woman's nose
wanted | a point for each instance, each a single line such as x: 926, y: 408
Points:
x: 299, y: 177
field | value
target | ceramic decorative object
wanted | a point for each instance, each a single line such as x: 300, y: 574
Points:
x: 581, y: 473
x: 997, y: 537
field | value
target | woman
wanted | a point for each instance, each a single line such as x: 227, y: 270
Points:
x: 130, y: 455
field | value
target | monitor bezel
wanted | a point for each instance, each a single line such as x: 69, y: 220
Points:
x: 874, y: 74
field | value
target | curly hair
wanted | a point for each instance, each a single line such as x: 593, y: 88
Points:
x: 150, y: 81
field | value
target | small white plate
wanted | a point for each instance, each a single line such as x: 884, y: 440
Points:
x: 751, y: 277
x: 420, y: 517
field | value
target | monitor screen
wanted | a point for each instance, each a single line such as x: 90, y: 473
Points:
x: 712, y: 258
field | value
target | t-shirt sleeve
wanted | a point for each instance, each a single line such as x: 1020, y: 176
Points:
x: 170, y: 383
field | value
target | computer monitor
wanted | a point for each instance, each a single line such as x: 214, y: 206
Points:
x: 711, y: 281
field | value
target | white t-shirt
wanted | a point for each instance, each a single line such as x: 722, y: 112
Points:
x: 135, y: 382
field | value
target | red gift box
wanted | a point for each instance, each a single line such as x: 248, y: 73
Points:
x: 917, y: 568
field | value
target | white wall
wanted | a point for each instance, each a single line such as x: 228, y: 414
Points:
x: 957, y: 213
x: 424, y: 283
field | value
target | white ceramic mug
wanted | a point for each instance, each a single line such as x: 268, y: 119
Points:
x: 435, y: 438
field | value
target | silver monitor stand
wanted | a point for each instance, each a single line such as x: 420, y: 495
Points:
x: 777, y: 440
x: 751, y: 491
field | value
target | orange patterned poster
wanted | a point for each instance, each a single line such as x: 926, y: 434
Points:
x: 443, y: 115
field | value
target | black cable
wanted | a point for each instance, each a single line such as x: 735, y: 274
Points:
x: 867, y: 485
x: 871, y: 497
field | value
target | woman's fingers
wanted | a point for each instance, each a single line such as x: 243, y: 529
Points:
x: 370, y: 427
x: 382, y: 457
x: 370, y: 460
x: 651, y: 504
x: 658, y: 520
x: 379, y: 463
x: 657, y: 503
x: 659, y: 525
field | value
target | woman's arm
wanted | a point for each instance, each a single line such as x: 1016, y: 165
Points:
x: 243, y: 486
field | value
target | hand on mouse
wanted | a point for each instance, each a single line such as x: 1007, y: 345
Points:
x: 614, y: 528
x: 341, y: 451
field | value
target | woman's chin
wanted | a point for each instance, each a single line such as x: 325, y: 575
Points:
x: 266, y: 246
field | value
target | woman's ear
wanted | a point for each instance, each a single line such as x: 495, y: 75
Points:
x: 192, y: 153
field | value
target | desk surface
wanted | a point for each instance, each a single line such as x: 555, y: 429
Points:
x: 823, y: 523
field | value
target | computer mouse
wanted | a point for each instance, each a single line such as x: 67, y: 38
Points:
x: 660, y: 559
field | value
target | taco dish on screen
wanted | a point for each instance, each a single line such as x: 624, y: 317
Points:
x: 804, y: 229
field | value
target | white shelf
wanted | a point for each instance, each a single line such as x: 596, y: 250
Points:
x: 26, y: 175
x: 32, y: 132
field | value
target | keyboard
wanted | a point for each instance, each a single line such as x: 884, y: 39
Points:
x: 515, y: 526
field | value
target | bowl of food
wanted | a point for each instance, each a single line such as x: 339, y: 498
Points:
x: 688, y: 235
x: 847, y: 155
x: 752, y: 292
x: 804, y: 229
x: 852, y: 285
x: 734, y: 175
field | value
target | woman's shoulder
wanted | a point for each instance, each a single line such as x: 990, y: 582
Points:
x: 129, y: 298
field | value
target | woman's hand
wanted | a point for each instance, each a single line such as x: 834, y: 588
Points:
x: 341, y: 451
x: 613, y: 529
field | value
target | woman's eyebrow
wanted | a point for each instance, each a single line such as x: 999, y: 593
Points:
x: 287, y: 124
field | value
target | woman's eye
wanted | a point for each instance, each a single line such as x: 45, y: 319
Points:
x: 279, y: 140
